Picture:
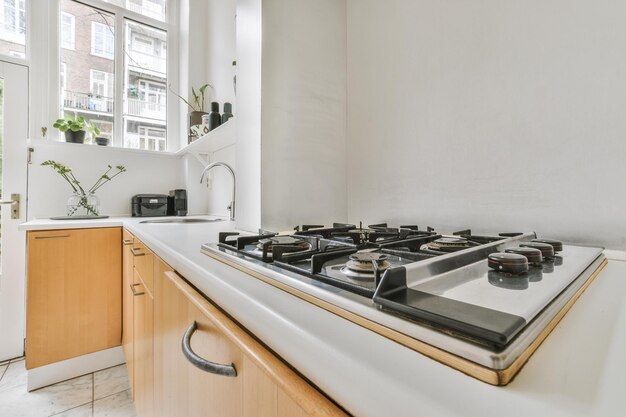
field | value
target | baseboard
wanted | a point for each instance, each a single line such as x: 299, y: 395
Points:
x: 71, y: 368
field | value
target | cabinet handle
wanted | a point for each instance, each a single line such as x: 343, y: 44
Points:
x: 201, y: 363
x: 135, y: 293
x: 135, y: 253
x: 52, y: 237
x: 127, y: 242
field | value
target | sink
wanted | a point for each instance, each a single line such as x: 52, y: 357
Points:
x: 182, y: 220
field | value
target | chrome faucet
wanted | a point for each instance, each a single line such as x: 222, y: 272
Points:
x: 231, y: 207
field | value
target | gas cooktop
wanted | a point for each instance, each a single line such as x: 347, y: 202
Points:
x: 486, y: 298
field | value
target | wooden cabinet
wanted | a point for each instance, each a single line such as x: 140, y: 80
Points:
x: 165, y: 309
x: 143, y: 349
x: 74, y: 302
x: 128, y: 241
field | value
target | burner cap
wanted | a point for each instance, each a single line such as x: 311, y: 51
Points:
x: 557, y: 245
x: 298, y: 244
x: 364, y: 262
x: 546, y: 250
x: 533, y: 255
x: 449, y: 244
x: 511, y: 263
x: 367, y: 257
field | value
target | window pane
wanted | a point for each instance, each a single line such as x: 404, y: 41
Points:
x: 68, y: 30
x: 145, y: 109
x: 155, y: 9
x: 13, y: 28
x: 87, y: 69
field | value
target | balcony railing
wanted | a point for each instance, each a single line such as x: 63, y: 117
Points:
x: 148, y: 62
x: 87, y: 101
x: 146, y: 109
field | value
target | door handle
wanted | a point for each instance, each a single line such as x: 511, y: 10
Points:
x: 52, y: 237
x: 135, y: 293
x: 201, y: 363
x: 15, y: 205
x: 127, y: 242
x: 135, y: 253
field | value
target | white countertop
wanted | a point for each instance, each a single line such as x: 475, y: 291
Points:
x: 578, y: 370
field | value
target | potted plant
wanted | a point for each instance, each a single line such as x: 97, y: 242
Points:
x: 73, y: 127
x: 94, y: 132
x: 83, y: 202
x: 197, y: 105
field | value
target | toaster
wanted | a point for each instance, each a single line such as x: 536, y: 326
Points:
x: 149, y: 205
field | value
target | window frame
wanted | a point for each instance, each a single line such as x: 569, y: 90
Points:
x: 121, y: 15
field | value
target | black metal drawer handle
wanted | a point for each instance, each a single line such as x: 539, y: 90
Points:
x: 52, y: 237
x: 135, y: 253
x: 201, y: 363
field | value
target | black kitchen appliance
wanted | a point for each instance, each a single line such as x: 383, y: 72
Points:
x: 481, y: 303
x: 149, y: 205
x: 177, y: 203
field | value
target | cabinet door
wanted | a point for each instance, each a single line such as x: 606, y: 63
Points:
x: 183, y: 389
x: 127, y: 303
x: 143, y: 362
x: 74, y: 294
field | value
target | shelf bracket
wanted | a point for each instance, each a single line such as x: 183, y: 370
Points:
x: 203, y: 158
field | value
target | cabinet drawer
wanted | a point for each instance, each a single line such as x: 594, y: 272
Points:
x: 221, y: 367
x: 143, y: 260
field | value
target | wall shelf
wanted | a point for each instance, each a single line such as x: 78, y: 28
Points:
x: 217, y: 139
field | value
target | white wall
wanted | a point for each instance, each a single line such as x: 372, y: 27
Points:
x: 303, y: 139
x: 146, y: 173
x: 498, y: 114
x: 248, y: 149
x: 221, y: 49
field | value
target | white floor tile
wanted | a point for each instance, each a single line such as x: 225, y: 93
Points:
x: 2, y: 369
x: 118, y: 405
x: 110, y: 381
x: 18, y: 402
x: 14, y: 376
x: 82, y: 411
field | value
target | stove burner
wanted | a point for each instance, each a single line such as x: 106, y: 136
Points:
x: 367, y: 262
x: 289, y: 244
x: 449, y: 244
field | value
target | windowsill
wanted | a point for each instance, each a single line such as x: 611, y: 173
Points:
x: 52, y: 142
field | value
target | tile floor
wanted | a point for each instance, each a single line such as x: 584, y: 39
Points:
x: 104, y: 393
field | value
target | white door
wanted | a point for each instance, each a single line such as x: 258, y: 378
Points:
x: 13, y: 165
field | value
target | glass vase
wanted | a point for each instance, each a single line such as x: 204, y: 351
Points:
x: 80, y: 204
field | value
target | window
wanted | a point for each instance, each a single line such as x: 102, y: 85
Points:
x: 152, y: 139
x: 13, y: 28
x: 132, y: 113
x: 102, y: 40
x: 146, y: 87
x: 101, y: 83
x: 68, y: 30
